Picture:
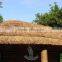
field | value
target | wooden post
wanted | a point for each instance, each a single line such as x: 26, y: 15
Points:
x: 44, y: 56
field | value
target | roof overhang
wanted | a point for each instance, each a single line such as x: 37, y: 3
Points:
x: 29, y: 40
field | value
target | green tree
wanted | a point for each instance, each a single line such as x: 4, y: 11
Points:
x: 1, y: 18
x: 52, y: 18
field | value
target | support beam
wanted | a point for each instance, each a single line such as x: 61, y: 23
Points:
x: 44, y: 56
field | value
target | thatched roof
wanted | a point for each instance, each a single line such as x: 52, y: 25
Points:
x: 17, y: 32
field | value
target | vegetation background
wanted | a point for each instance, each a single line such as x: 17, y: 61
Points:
x: 1, y: 17
x: 52, y: 18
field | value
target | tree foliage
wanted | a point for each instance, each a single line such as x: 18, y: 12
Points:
x: 1, y: 18
x: 1, y: 4
x: 52, y: 18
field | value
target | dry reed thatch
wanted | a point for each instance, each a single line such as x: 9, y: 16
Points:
x: 29, y: 40
x: 16, y: 36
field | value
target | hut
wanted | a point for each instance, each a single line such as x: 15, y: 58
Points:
x: 17, y: 36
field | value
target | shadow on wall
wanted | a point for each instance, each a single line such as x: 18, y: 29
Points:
x: 16, y: 53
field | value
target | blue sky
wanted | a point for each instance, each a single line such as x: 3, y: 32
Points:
x: 25, y: 10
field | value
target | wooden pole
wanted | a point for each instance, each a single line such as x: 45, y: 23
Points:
x: 44, y: 56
